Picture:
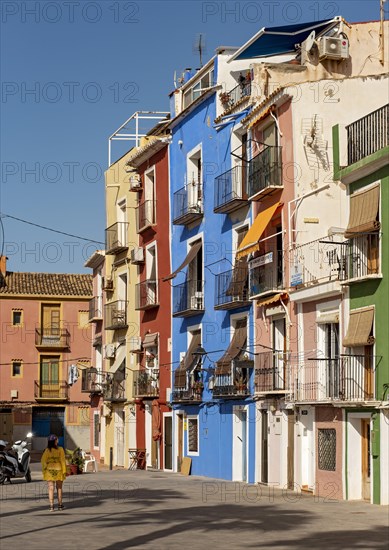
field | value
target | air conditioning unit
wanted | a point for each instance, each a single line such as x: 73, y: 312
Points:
x: 333, y: 47
x: 110, y: 351
x: 196, y: 301
x: 137, y: 255
x: 14, y: 394
x: 135, y: 344
x: 108, y: 284
x: 135, y: 182
x: 106, y: 411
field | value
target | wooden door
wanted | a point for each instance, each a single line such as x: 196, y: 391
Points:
x: 264, y: 453
x: 366, y: 474
x: 51, y: 316
x: 291, y: 422
x: 180, y: 455
x: 168, y: 442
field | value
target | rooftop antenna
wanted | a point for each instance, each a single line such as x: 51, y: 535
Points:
x: 200, y: 47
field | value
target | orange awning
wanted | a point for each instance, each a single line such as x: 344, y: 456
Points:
x: 250, y: 242
x: 272, y: 300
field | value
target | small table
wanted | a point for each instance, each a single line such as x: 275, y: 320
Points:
x: 137, y: 459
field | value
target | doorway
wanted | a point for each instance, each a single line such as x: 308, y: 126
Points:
x: 168, y: 442
x: 366, y: 473
x: 264, y: 447
x: 239, y: 464
x: 119, y: 435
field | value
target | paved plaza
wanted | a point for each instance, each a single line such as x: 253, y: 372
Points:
x: 119, y: 509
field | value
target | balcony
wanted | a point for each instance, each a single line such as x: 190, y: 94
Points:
x: 361, y: 257
x: 116, y: 238
x: 230, y: 190
x: 115, y: 315
x: 146, y: 295
x: 91, y: 381
x: 347, y: 378
x: 188, y: 298
x: 188, y: 204
x: 317, y: 262
x: 266, y: 275
x: 189, y: 396
x: 368, y: 135
x: 265, y: 173
x: 146, y: 383
x: 235, y: 384
x: 52, y: 338
x: 95, y: 309
x: 53, y: 391
x: 271, y: 374
x: 231, y: 289
x: 145, y: 215
x: 114, y: 390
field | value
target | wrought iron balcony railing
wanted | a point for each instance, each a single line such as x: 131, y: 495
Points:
x: 191, y: 395
x: 231, y: 288
x: 266, y: 274
x: 114, y: 390
x: 342, y: 378
x: 188, y: 204
x: 91, y: 381
x: 188, y: 298
x: 51, y: 391
x: 265, y: 172
x: 145, y: 215
x: 146, y: 295
x: 361, y: 256
x: 115, y: 315
x: 234, y: 384
x: 230, y: 98
x: 95, y: 308
x: 317, y: 262
x: 116, y: 238
x: 271, y: 372
x: 368, y: 135
x: 52, y: 337
x: 231, y: 190
x: 146, y: 383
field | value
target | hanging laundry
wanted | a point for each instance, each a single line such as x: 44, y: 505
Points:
x: 72, y: 374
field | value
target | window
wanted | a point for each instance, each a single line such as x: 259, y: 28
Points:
x: 16, y: 369
x: 17, y: 317
x: 198, y: 88
x: 327, y: 449
x: 83, y: 319
x: 193, y: 435
x: 96, y: 430
x: 194, y: 180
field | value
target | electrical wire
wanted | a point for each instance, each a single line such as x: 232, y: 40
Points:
x: 50, y: 229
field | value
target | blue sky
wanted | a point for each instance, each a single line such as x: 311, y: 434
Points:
x: 72, y: 72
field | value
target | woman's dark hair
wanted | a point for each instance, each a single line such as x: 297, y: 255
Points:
x: 52, y: 444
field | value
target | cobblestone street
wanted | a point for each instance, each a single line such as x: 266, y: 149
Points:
x: 137, y: 509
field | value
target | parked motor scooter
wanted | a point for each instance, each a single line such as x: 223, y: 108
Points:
x: 15, y: 463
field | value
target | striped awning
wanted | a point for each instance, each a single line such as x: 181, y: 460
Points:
x: 272, y: 300
x: 364, y: 207
x: 250, y: 242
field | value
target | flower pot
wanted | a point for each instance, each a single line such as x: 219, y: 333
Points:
x: 73, y: 469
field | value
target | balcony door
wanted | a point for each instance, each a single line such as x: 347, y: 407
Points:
x: 49, y: 378
x: 328, y: 365
x: 151, y: 275
x: 279, y: 347
x: 194, y: 180
x: 149, y: 195
x: 195, y: 280
x: 51, y: 323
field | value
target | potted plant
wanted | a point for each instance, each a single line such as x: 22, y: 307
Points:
x: 198, y: 387
x: 75, y: 461
x: 225, y: 99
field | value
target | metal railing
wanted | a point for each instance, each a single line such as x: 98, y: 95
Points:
x: 361, y: 256
x: 183, y: 395
x: 51, y: 390
x: 145, y: 215
x: 317, y: 261
x: 188, y: 297
x: 342, y: 378
x: 266, y: 273
x: 265, y: 170
x: 52, y: 337
x: 368, y: 135
x: 146, y: 383
x: 231, y: 288
x: 95, y: 308
x: 271, y: 371
x: 188, y: 203
x: 116, y: 238
x: 235, y: 383
x: 115, y: 314
x: 146, y: 294
x: 114, y: 390
x: 230, y: 189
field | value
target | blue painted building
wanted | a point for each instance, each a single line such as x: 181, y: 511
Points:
x: 212, y: 326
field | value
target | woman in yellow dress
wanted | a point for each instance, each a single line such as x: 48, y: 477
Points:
x: 54, y: 469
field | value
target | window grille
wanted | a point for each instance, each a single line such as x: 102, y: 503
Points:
x: 327, y: 450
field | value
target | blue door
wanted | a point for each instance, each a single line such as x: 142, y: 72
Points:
x: 46, y: 421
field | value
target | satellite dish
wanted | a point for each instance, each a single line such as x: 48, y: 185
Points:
x: 310, y: 41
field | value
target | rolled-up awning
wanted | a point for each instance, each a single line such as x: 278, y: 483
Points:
x: 364, y: 207
x: 120, y: 357
x: 191, y: 255
x: 250, y: 242
x: 359, y: 328
x: 187, y: 362
x: 150, y: 339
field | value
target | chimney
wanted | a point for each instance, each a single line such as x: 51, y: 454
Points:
x: 3, y: 265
